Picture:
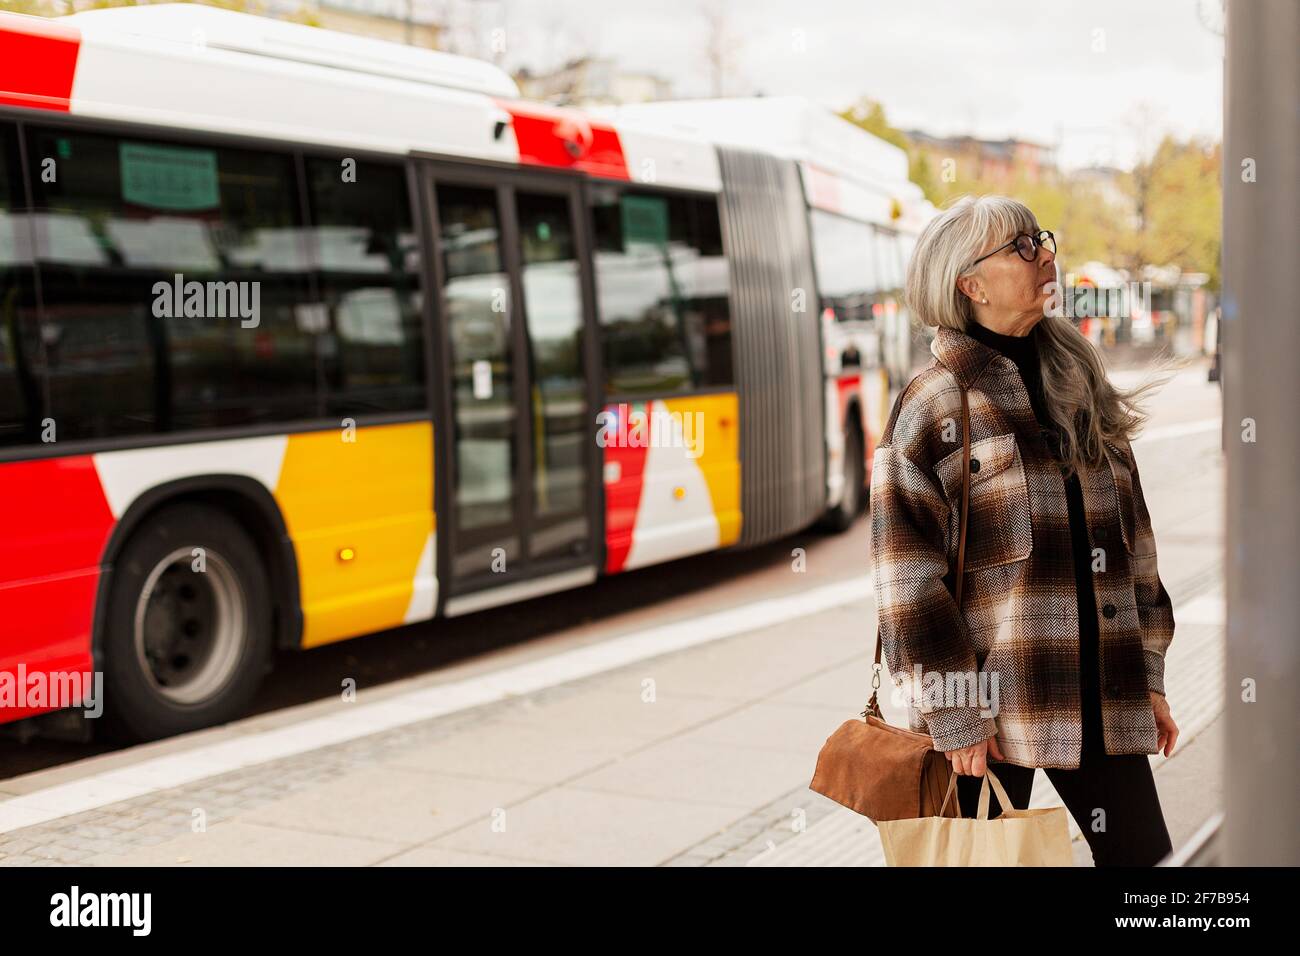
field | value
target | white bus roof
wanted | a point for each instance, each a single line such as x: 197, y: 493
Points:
x: 846, y: 169
x: 192, y: 25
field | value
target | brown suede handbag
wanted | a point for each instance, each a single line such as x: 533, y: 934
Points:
x: 879, y: 770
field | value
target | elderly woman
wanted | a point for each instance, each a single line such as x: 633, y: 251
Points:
x: 1055, y: 658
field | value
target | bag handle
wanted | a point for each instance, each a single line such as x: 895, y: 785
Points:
x: 873, y: 705
x: 982, y: 811
x: 952, y: 785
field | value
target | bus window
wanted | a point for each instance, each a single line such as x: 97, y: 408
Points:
x: 890, y: 261
x: 843, y: 255
x: 366, y: 262
x: 486, y: 425
x: 173, y: 281
x: 662, y: 292
x: 20, y: 402
x: 553, y: 303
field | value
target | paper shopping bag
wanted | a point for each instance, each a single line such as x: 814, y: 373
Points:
x: 1016, y: 838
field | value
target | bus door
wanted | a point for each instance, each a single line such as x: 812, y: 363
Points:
x: 517, y: 469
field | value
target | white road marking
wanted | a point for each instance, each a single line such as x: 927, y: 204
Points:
x: 1179, y: 429
x: 1208, y: 608
x: 360, y: 720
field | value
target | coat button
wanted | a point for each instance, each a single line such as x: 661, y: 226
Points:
x: 1113, y: 690
x: 1108, y: 610
x: 1100, y: 534
x: 974, y: 464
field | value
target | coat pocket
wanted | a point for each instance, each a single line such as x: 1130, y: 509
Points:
x: 1125, y: 498
x: 999, y: 529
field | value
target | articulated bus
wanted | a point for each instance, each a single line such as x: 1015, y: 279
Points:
x: 305, y: 336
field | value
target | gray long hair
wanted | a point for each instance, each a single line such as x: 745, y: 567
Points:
x: 1086, y: 407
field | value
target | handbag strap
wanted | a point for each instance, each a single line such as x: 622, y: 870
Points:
x: 873, y: 705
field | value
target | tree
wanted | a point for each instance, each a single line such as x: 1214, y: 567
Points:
x: 1184, y: 207
x: 721, y: 46
x: 1167, y: 210
x: 870, y: 115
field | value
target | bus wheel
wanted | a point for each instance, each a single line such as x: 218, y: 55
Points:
x: 187, y: 634
x: 841, y: 517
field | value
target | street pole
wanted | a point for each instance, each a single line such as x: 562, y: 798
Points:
x: 1261, y: 359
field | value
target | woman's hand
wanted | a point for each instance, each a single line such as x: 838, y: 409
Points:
x: 1166, y: 729
x: 973, y: 760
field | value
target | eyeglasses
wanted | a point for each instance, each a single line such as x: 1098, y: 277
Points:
x: 1025, y: 244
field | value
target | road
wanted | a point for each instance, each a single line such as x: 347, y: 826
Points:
x: 668, y: 716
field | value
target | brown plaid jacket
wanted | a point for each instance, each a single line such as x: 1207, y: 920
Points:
x: 1008, y: 662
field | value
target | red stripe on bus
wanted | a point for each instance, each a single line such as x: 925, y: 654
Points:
x: 622, y: 499
x: 551, y: 136
x: 38, y: 60
x: 56, y: 522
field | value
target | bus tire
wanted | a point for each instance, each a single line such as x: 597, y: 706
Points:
x: 840, y: 518
x: 188, y: 626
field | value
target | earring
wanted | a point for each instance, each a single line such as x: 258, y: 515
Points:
x: 984, y: 301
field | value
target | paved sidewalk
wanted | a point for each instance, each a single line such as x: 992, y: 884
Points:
x: 586, y: 773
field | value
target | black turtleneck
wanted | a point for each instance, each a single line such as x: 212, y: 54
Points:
x: 1023, y: 350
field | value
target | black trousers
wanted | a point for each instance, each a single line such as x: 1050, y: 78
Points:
x: 1132, y: 831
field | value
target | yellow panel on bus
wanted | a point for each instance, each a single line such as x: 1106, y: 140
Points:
x: 359, y: 508
x: 719, y: 455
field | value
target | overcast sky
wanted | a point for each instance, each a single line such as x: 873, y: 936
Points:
x: 1091, y: 77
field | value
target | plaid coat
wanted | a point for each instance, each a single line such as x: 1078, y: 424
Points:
x: 1016, y: 635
